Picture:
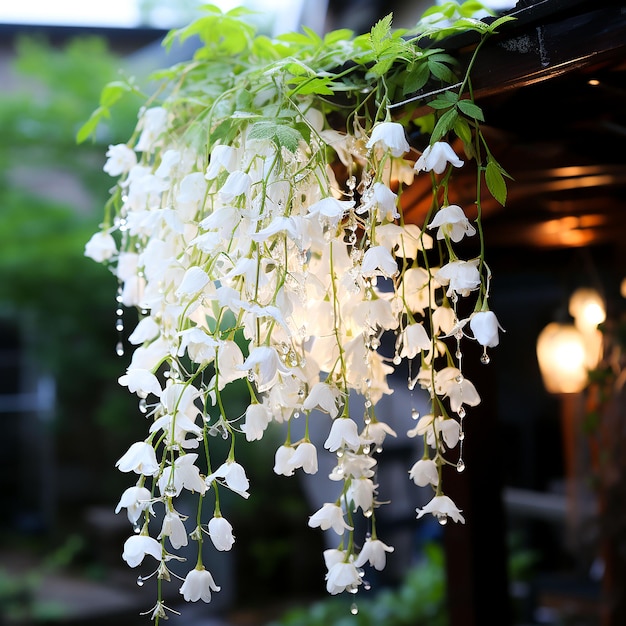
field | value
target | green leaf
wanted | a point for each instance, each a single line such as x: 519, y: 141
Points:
x: 495, y: 181
x: 417, y: 76
x: 471, y: 109
x: 440, y: 103
x: 89, y: 127
x: 444, y: 124
x: 283, y: 136
x: 113, y: 92
x: 381, y: 31
x: 463, y: 131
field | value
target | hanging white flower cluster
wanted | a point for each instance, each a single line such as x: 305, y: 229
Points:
x: 257, y: 228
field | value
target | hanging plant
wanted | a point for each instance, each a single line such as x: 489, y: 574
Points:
x: 258, y: 228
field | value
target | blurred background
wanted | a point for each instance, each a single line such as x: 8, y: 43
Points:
x: 546, y: 500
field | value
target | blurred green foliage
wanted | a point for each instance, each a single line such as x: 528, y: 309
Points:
x: 51, y: 196
x: 418, y: 601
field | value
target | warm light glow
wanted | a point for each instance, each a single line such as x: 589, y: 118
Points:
x: 587, y: 308
x: 562, y: 358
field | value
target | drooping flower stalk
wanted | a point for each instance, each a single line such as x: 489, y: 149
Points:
x: 257, y: 226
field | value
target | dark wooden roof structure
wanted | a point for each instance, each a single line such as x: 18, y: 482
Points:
x: 552, y: 84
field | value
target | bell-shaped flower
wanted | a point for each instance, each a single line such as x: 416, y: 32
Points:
x: 461, y: 276
x: 100, y: 247
x: 354, y: 465
x: 198, y: 585
x: 424, y: 472
x: 282, y: 460
x: 382, y: 200
x: 173, y: 527
x: 329, y: 516
x: 221, y: 533
x: 374, y: 552
x: 332, y: 556
x: 378, y: 261
x: 183, y: 474
x: 450, y: 221
x: 343, y: 433
x: 229, y: 363
x: 265, y: 363
x: 237, y: 184
x: 361, y: 493
x: 451, y: 383
x: 414, y: 339
x: 485, y: 326
x: 305, y: 457
x: 152, y: 124
x: 135, y: 500
x: 342, y: 576
x: 377, y: 432
x: 121, y: 159
x: 444, y: 319
x: 330, y: 210
x: 222, y: 156
x: 324, y: 397
x: 141, y: 382
x: 258, y: 417
x: 194, y: 280
x: 436, y: 158
x: 233, y: 476
x: 136, y: 548
x: 442, y: 507
x: 140, y: 458
x: 389, y: 136
x: 146, y: 330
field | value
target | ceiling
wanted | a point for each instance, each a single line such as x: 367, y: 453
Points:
x: 553, y: 89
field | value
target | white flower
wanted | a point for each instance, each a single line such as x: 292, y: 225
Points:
x: 234, y: 477
x: 484, y: 325
x: 451, y: 383
x: 305, y: 457
x: 342, y: 576
x: 374, y: 552
x: 140, y: 381
x: 194, y: 280
x: 174, y: 528
x: 377, y: 260
x: 461, y: 276
x: 414, y: 339
x: 237, y: 184
x: 377, y: 432
x: 198, y: 585
x: 361, y: 493
x: 329, y: 516
x: 136, y: 548
x: 323, y: 396
x: 389, y: 136
x: 121, y: 159
x: 424, y: 472
x: 442, y: 507
x: 152, y: 123
x: 135, y: 500
x: 221, y: 533
x: 182, y: 475
x: 282, y: 460
x: 436, y: 158
x: 343, y: 432
x: 258, y: 418
x: 140, y: 458
x: 383, y: 200
x: 100, y: 247
x: 265, y: 362
x: 222, y: 156
x: 330, y: 209
x: 452, y: 222
x: 146, y: 330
